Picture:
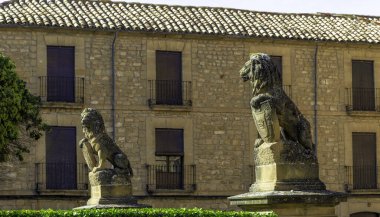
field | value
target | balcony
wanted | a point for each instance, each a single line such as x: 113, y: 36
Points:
x: 169, y: 93
x: 362, y: 178
x: 176, y: 178
x: 362, y: 99
x: 61, y: 176
x: 62, y: 89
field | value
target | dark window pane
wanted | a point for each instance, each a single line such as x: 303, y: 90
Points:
x: 61, y: 160
x: 363, y: 91
x: 364, y: 214
x: 169, y: 77
x: 169, y: 141
x: 277, y: 60
x: 60, y: 74
x: 364, y: 160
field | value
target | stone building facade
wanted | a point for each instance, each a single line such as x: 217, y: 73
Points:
x: 117, y: 69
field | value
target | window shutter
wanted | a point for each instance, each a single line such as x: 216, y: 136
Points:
x: 61, y: 159
x: 169, y: 141
x: 363, y: 92
x: 277, y: 60
x: 61, y: 74
x: 364, y: 160
x: 169, y: 77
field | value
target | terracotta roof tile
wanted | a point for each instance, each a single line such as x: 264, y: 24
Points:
x: 123, y: 16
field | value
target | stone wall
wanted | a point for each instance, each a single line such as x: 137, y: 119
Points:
x: 219, y: 132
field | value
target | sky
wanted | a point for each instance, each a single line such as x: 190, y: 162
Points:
x: 360, y: 7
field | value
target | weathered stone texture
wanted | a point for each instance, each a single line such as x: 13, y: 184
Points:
x: 221, y: 121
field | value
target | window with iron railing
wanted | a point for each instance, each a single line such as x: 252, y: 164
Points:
x: 164, y: 177
x: 169, y: 92
x: 363, y: 99
x: 61, y: 176
x: 364, y: 171
x: 59, y: 171
x: 60, y: 83
x: 169, y: 171
x: 168, y: 88
x: 61, y: 89
x: 362, y: 96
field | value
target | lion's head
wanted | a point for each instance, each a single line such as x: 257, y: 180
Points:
x: 261, y: 71
x: 92, y: 121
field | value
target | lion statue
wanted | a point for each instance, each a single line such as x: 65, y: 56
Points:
x: 98, y: 144
x: 267, y: 87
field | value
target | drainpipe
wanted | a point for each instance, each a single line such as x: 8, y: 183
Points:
x: 315, y: 97
x: 113, y: 84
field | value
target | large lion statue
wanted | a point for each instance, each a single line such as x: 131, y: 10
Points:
x: 98, y: 144
x: 267, y: 87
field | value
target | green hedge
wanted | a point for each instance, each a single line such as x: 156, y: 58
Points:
x: 145, y: 212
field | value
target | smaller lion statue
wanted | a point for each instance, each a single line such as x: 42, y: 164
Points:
x: 268, y: 93
x: 98, y: 144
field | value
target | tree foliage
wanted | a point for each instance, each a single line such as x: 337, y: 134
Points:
x: 20, y: 120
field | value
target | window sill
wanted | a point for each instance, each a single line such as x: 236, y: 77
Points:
x: 70, y: 105
x: 64, y: 192
x: 364, y: 113
x: 184, y: 108
x: 168, y: 192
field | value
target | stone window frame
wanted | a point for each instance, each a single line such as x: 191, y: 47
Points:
x: 44, y: 40
x: 364, y: 127
x: 61, y: 120
x: 360, y: 54
x: 175, y: 45
x: 171, y: 123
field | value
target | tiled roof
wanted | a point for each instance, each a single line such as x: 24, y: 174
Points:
x: 123, y: 16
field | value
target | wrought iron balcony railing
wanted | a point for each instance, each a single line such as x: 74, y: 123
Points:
x: 362, y: 99
x: 169, y: 92
x: 176, y: 177
x: 62, y: 89
x: 61, y: 176
x: 361, y: 177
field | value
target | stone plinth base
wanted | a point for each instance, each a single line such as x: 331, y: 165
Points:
x: 110, y: 190
x: 287, y: 177
x: 111, y: 194
x: 290, y: 203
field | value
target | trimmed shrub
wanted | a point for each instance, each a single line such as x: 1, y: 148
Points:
x: 145, y: 212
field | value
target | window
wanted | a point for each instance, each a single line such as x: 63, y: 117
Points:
x: 277, y: 60
x: 60, y: 83
x: 364, y: 214
x: 364, y: 160
x: 363, y: 91
x: 169, y: 158
x: 168, y: 88
x: 60, y: 74
x: 168, y: 78
x: 61, y: 162
x: 170, y: 164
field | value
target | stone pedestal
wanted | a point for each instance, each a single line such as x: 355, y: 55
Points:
x: 290, y: 203
x: 287, y: 183
x: 110, y: 190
